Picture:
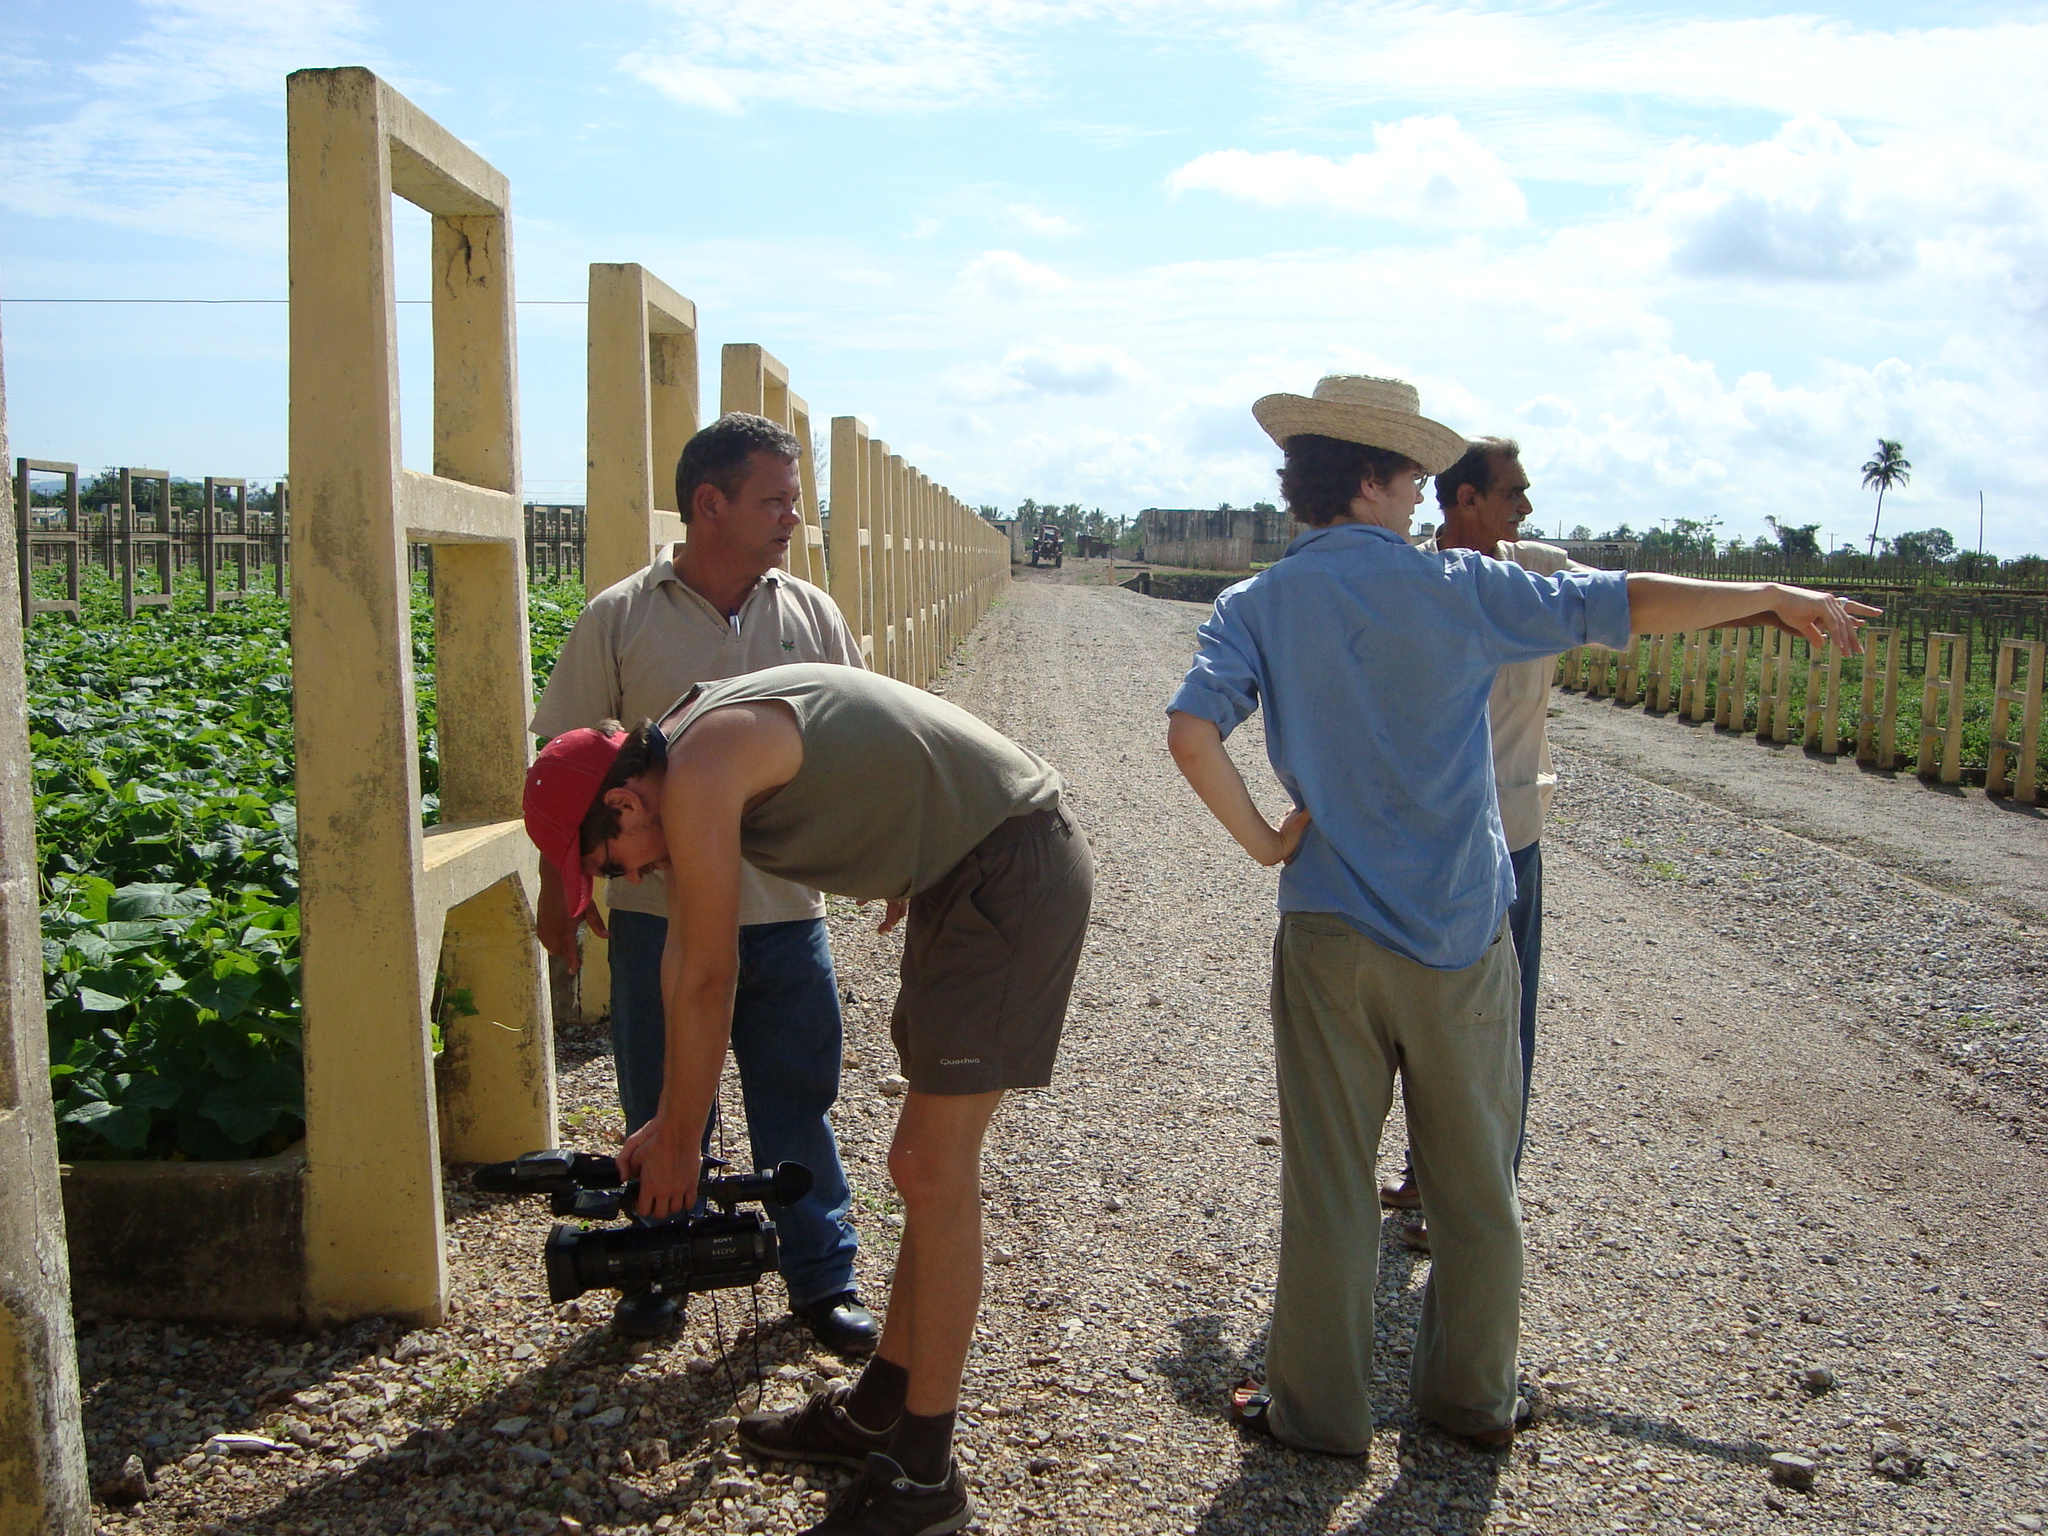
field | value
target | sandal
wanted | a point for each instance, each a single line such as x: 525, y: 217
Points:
x: 1249, y: 1407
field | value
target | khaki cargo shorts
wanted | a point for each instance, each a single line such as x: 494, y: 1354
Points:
x: 989, y: 959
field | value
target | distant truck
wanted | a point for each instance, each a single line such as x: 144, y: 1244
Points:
x: 1047, y: 547
x: 1089, y: 548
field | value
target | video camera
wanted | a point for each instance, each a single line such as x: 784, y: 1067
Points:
x: 724, y: 1247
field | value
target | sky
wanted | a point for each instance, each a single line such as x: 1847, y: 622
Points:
x: 1696, y: 259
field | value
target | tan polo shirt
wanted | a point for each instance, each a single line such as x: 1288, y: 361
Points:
x: 1518, y: 712
x: 642, y: 644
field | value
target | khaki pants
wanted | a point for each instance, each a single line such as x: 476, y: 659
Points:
x: 1347, y: 1015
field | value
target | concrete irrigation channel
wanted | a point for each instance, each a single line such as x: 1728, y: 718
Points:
x: 1785, y: 1194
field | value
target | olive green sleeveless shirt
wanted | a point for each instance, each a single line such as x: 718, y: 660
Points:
x: 897, y: 785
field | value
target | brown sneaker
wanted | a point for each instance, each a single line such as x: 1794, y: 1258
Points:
x: 1414, y: 1236
x: 1402, y: 1195
x: 818, y: 1429
x: 882, y: 1501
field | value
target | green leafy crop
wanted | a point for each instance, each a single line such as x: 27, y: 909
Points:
x: 166, y: 833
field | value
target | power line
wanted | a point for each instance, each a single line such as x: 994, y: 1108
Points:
x: 576, y: 303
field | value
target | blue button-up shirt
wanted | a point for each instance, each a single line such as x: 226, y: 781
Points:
x: 1374, y: 661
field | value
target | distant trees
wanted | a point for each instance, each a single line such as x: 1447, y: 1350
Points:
x: 1925, y: 547
x: 1071, y: 520
x: 1887, y: 468
x: 1800, y: 542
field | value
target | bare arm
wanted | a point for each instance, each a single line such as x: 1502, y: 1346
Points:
x: 1662, y: 605
x: 1197, y: 748
x: 726, y: 761
x: 551, y: 920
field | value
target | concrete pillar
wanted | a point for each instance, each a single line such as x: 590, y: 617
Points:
x: 2015, y: 691
x: 641, y: 368
x: 1877, y: 720
x: 1823, y: 726
x: 852, y: 546
x: 1947, y: 673
x: 42, y: 1453
x: 887, y: 537
x: 379, y: 895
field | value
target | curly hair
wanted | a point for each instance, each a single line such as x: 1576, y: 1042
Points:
x: 1321, y: 475
x: 718, y: 455
x: 645, y: 748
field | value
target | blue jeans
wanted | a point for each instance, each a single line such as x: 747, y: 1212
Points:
x: 1525, y: 927
x: 1525, y: 923
x: 787, y: 1043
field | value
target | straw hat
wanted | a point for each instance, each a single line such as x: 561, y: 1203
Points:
x: 1381, y: 413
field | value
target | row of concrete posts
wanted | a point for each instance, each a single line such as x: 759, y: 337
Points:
x: 1705, y: 675
x: 388, y: 907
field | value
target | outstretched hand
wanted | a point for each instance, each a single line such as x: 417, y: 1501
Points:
x: 1820, y: 617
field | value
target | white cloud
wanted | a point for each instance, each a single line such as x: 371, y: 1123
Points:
x: 1054, y: 368
x: 996, y: 276
x: 1035, y: 221
x: 159, y: 135
x: 1422, y: 170
x: 861, y: 55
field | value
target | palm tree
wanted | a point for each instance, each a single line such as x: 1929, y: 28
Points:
x: 1888, y: 468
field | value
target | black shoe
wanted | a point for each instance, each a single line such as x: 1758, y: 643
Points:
x: 648, y: 1314
x: 819, y: 1429
x: 842, y: 1324
x: 883, y: 1502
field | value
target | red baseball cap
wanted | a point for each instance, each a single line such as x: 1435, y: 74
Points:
x: 561, y: 786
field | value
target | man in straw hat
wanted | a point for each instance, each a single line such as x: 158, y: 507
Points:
x: 1373, y: 661
x: 869, y: 788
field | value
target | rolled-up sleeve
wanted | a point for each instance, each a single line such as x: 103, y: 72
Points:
x: 1222, y: 686
x: 1528, y: 615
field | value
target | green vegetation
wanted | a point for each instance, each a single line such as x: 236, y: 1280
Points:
x: 166, y: 837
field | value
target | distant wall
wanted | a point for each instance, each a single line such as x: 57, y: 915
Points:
x: 1211, y: 540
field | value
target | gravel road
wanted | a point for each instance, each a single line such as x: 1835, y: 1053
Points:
x: 1782, y: 1198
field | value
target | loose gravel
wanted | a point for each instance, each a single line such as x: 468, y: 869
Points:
x: 1774, y: 1210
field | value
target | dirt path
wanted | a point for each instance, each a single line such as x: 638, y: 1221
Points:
x: 1955, y: 839
x: 1750, y: 1159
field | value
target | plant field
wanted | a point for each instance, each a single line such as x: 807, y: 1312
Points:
x: 167, y: 840
x: 1976, y: 712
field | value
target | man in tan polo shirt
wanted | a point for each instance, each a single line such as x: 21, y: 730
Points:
x: 716, y: 606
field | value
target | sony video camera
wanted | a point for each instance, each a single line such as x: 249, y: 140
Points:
x: 722, y: 1247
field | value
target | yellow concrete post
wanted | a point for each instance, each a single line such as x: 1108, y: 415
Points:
x: 1731, y: 701
x: 1947, y: 672
x: 813, y: 536
x: 1625, y: 687
x: 1692, y: 688
x: 851, y: 550
x: 2012, y: 693
x: 904, y: 592
x: 882, y: 524
x: 376, y: 892
x: 642, y: 407
x: 752, y: 379
x: 1824, y: 698
x: 1774, y: 685
x: 1878, y: 718
x: 43, y: 1489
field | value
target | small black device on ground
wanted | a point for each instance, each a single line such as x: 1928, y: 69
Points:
x: 719, y: 1248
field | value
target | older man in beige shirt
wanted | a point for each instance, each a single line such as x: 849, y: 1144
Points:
x: 715, y: 606
x: 1484, y: 497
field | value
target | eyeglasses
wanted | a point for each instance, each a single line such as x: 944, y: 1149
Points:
x: 610, y: 867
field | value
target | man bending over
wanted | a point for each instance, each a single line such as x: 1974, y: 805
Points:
x: 868, y: 788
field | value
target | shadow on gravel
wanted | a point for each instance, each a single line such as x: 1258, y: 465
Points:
x: 1442, y: 1484
x: 1636, y: 1426
x: 526, y: 1478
